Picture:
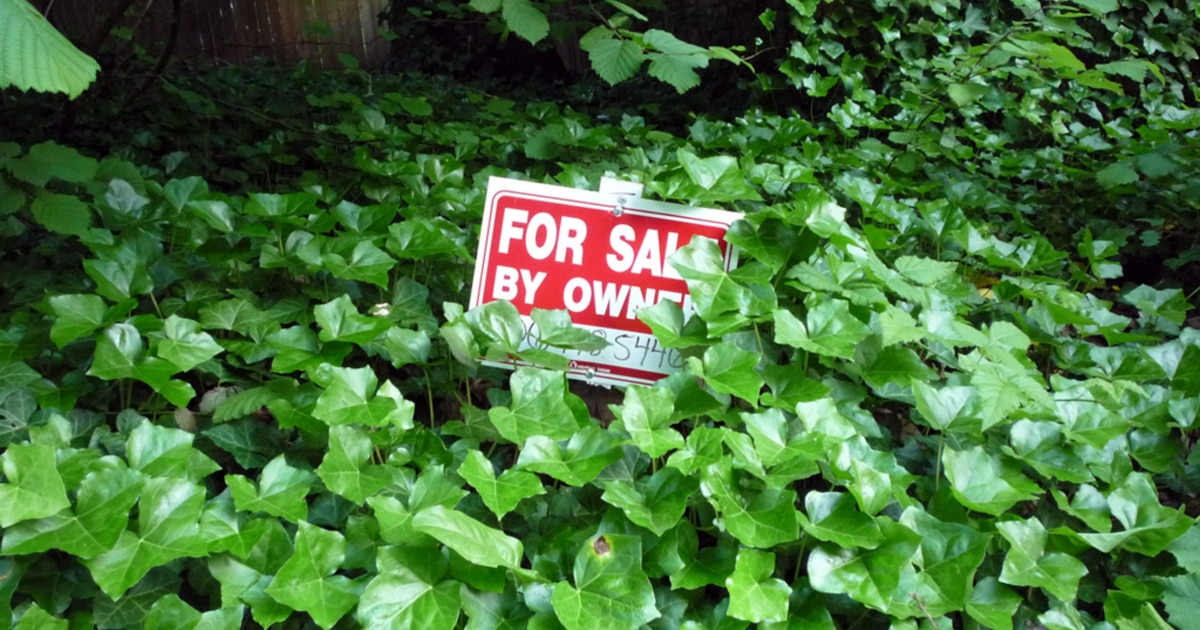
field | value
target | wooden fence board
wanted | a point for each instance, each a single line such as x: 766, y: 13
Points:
x: 237, y: 31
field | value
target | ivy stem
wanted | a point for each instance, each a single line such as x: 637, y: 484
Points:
x: 429, y: 396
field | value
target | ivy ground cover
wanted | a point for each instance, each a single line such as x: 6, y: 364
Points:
x: 245, y: 392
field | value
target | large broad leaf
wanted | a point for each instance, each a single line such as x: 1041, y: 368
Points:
x: 525, y: 19
x: 168, y: 528
x: 615, y: 60
x: 646, y: 415
x: 409, y: 592
x: 656, y: 503
x: 501, y: 494
x: 471, y: 539
x: 347, y: 469
x: 1028, y: 564
x: 35, y: 488
x: 35, y: 56
x: 754, y: 595
x: 100, y: 515
x: 610, y: 591
x: 307, y: 582
x: 538, y: 407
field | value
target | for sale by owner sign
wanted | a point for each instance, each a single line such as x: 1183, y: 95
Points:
x: 601, y: 256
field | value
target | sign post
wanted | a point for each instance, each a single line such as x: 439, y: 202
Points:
x: 599, y: 255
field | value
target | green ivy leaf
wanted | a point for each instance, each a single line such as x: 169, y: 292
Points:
x: 366, y: 263
x: 719, y: 177
x: 346, y: 467
x: 779, y: 439
x: 407, y: 593
x: 184, y: 345
x: 101, y: 513
x: 646, y: 414
x: 656, y: 503
x: 829, y: 328
x: 307, y: 582
x: 730, y: 370
x: 986, y: 482
x: 718, y: 298
x: 949, y: 555
x: 1180, y: 596
x: 941, y: 408
x: 754, y: 595
x: 1186, y: 549
x: 500, y: 494
x: 834, y: 517
x: 403, y: 347
x: 993, y: 604
x: 37, y: 619
x: 251, y: 442
x: 925, y: 271
x: 500, y: 324
x: 478, y: 543
x: 1149, y: 527
x: 280, y: 491
x: 869, y: 576
x: 118, y: 349
x: 168, y: 528
x: 420, y: 238
x: 239, y: 316
x: 764, y: 520
x: 352, y: 398
x: 589, y: 451
x: 554, y: 328
x: 964, y: 94
x: 1027, y: 564
x: 340, y: 321
x: 611, y: 590
x: 77, y: 315
x: 35, y: 488
x: 538, y: 407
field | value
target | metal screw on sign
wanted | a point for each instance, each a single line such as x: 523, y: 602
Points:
x: 590, y: 373
x: 619, y: 209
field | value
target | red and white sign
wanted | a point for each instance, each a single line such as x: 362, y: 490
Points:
x: 601, y: 257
